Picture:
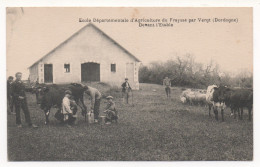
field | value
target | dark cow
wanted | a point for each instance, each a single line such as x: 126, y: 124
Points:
x: 51, y: 95
x: 236, y: 99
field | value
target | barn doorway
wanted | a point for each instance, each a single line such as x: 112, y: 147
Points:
x: 90, y: 72
x: 48, y: 73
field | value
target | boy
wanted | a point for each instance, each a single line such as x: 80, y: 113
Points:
x: 111, y: 112
x: 66, y: 108
x: 74, y: 108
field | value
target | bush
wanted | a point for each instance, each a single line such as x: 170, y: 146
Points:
x: 185, y: 72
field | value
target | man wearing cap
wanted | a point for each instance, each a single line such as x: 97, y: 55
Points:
x: 111, y: 112
x: 10, y: 102
x: 18, y: 92
x: 95, y: 97
x: 167, y: 84
x: 126, y: 88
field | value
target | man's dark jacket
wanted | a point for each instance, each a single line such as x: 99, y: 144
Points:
x: 18, y: 89
x: 124, y: 87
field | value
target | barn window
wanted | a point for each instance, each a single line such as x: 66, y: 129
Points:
x: 113, y: 67
x: 67, y: 68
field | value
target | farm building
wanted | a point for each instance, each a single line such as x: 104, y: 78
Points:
x: 89, y: 55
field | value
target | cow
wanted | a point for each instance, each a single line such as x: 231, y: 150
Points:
x: 215, y: 101
x: 52, y: 95
x: 237, y: 100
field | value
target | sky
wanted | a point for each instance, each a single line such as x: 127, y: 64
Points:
x: 33, y: 32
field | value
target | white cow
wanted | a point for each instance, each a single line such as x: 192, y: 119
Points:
x: 216, y: 105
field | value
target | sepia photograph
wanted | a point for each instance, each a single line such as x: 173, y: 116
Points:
x: 129, y: 83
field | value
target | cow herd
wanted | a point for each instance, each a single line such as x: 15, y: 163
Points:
x: 220, y: 97
x: 216, y: 98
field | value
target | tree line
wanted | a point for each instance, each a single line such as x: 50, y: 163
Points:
x: 186, y: 72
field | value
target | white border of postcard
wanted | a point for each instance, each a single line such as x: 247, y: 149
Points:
x: 130, y: 3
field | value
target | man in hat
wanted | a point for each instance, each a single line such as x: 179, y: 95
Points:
x: 95, y: 97
x: 111, y: 112
x: 18, y: 92
x: 167, y: 84
x: 10, y: 102
x: 126, y: 88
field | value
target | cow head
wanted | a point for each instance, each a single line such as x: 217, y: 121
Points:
x: 221, y: 94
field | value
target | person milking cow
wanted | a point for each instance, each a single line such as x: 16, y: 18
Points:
x: 126, y: 88
x: 95, y: 97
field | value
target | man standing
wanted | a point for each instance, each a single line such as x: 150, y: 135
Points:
x: 18, y: 91
x: 167, y: 84
x: 95, y: 97
x: 126, y: 88
x: 10, y: 102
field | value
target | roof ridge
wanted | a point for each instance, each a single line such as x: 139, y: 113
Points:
x: 76, y: 33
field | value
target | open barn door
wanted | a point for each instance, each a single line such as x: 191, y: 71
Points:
x: 48, y: 73
x: 90, y: 72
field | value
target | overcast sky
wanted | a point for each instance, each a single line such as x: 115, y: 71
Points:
x: 33, y: 32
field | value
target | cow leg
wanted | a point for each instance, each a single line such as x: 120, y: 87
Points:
x: 83, y: 107
x: 222, y: 114
x: 216, y: 113
x: 234, y: 112
x: 47, y: 113
x: 209, y: 110
x: 82, y: 101
x: 242, y: 113
x: 238, y: 112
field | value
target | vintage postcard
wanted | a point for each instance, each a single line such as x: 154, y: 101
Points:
x: 129, y: 83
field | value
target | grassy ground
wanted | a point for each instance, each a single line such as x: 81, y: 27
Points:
x: 153, y: 129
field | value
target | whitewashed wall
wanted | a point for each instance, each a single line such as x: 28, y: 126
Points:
x: 34, y: 73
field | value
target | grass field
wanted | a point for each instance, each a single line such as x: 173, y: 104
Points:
x: 153, y: 129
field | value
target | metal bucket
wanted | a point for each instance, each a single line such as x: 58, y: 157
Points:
x: 90, y: 117
x: 102, y: 120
